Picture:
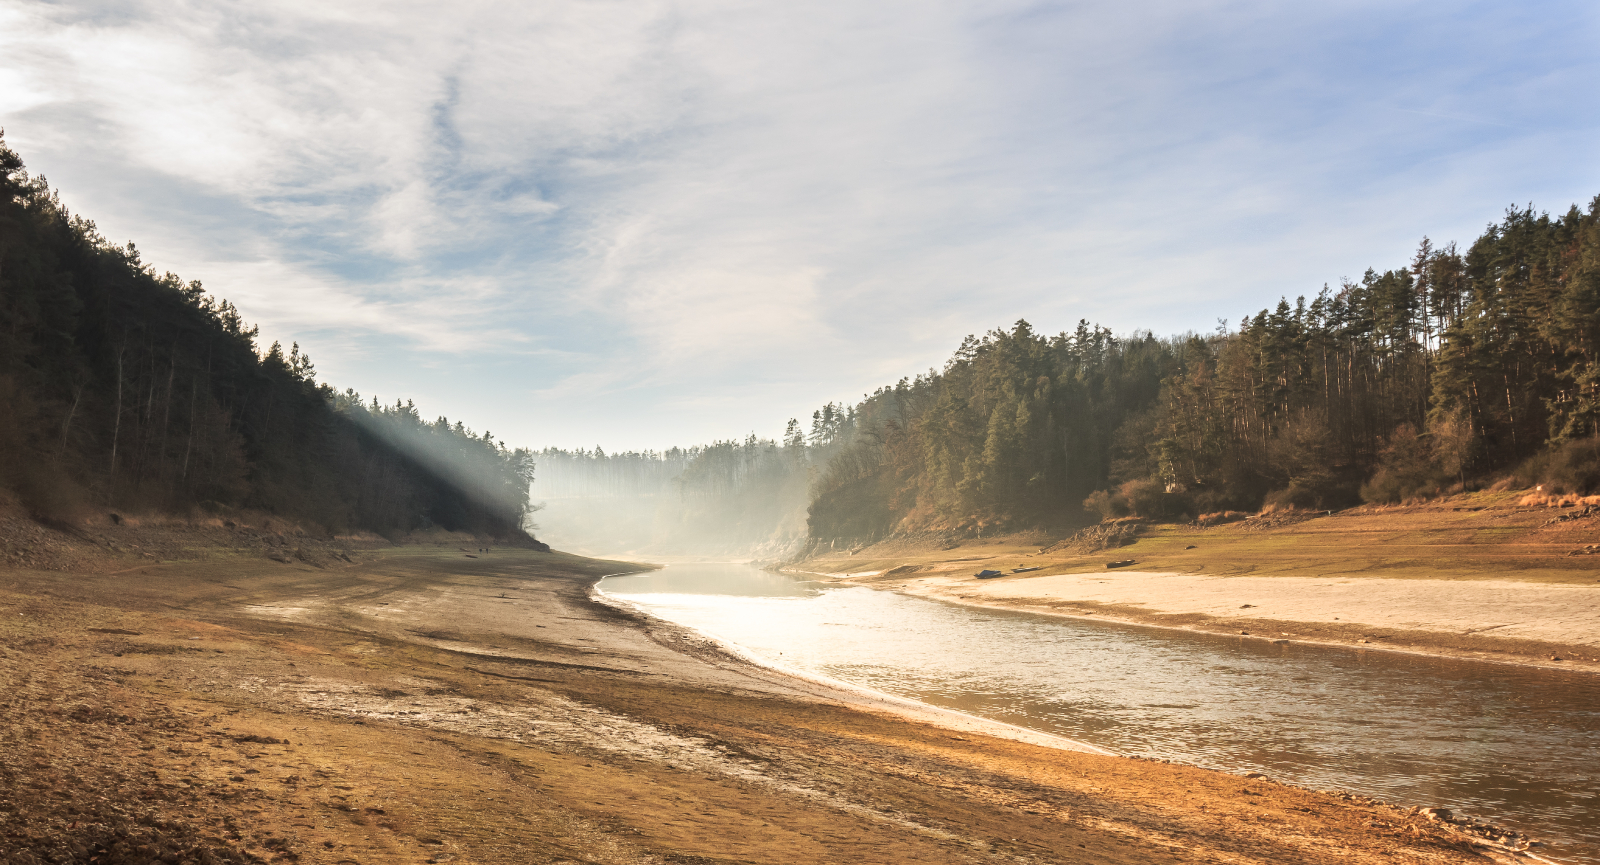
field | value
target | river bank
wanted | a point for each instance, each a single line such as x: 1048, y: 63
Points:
x: 1479, y: 577
x: 421, y: 705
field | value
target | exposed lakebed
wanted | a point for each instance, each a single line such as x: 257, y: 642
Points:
x: 1517, y: 746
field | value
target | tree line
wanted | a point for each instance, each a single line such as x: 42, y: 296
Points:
x: 126, y: 388
x: 1452, y: 371
x: 737, y: 496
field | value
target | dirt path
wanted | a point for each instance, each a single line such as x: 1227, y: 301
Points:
x: 432, y: 707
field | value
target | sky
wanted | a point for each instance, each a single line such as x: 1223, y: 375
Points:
x: 646, y: 224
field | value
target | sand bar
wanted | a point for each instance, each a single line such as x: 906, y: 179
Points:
x: 1504, y: 620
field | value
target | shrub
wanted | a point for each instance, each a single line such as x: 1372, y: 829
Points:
x: 1219, y: 517
x: 1406, y: 468
x: 1106, y: 504
x: 1146, y: 498
x: 1142, y: 498
x: 1573, y: 467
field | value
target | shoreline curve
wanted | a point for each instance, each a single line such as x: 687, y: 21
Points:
x: 860, y: 696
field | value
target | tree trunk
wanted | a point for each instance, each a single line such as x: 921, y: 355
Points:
x: 116, y: 427
x: 188, y: 446
x: 66, y: 428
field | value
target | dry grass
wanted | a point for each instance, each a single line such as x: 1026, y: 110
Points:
x: 1506, y: 534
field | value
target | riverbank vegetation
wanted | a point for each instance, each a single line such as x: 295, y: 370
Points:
x: 131, y: 389
x: 1456, y: 371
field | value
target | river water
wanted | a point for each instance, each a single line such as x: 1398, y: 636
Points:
x: 1517, y: 746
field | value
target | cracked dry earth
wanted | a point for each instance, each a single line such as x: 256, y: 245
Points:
x: 426, y: 707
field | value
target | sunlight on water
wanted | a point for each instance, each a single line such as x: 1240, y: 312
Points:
x: 1512, y: 745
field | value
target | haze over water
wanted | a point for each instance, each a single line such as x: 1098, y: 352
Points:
x: 1512, y: 745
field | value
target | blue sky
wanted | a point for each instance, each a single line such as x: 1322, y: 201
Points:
x: 653, y: 223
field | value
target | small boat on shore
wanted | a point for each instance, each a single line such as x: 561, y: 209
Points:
x: 987, y: 574
x: 1122, y: 564
x: 1027, y: 570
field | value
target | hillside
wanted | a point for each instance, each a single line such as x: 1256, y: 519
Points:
x: 1444, y: 375
x: 124, y: 389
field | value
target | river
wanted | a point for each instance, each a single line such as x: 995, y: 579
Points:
x: 1517, y: 746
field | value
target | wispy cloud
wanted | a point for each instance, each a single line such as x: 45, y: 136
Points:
x: 654, y: 222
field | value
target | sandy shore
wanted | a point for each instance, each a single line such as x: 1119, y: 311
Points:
x: 1513, y: 621
x: 424, y: 706
x: 1486, y: 575
x: 1554, y: 625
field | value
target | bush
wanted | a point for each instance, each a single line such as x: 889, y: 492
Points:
x: 1106, y: 504
x: 1573, y: 467
x: 1142, y: 498
x: 1406, y: 468
x: 1146, y: 498
x: 1219, y: 517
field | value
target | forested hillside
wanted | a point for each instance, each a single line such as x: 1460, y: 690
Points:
x: 1452, y: 371
x: 123, y: 388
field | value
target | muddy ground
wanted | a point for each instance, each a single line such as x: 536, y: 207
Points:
x: 427, y: 706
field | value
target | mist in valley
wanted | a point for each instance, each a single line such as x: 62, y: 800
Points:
x: 729, y: 500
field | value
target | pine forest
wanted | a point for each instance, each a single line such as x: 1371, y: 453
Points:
x: 129, y: 389
x: 1457, y: 370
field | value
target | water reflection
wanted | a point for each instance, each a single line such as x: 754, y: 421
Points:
x: 737, y: 581
x: 1517, y: 746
